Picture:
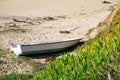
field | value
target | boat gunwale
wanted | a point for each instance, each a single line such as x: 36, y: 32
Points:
x: 52, y: 42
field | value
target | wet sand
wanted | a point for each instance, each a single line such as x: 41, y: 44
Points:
x: 25, y: 22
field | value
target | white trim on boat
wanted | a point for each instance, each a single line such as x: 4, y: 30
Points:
x: 16, y: 49
x: 51, y: 42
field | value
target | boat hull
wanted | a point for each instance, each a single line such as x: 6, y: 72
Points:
x: 43, y: 47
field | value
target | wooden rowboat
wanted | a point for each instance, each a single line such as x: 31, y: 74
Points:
x: 39, y: 48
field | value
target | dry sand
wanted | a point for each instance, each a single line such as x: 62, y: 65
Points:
x: 34, y: 21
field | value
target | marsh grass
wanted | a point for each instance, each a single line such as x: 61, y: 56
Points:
x: 16, y: 77
x: 98, y: 59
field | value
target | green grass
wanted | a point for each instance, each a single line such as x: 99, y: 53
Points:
x: 97, y: 59
x: 16, y: 77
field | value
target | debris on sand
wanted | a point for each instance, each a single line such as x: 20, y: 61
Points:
x: 106, y: 2
x: 67, y: 32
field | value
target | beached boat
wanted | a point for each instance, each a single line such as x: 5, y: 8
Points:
x: 39, y: 48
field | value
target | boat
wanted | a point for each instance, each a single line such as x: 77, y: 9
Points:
x: 39, y: 48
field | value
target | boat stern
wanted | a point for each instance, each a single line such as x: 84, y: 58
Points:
x: 16, y: 49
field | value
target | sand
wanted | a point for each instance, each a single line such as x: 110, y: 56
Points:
x: 35, y: 21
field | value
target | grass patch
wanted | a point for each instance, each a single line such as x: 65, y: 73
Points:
x: 16, y: 77
x: 98, y: 59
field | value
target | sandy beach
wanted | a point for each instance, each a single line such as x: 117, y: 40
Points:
x: 37, y: 21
